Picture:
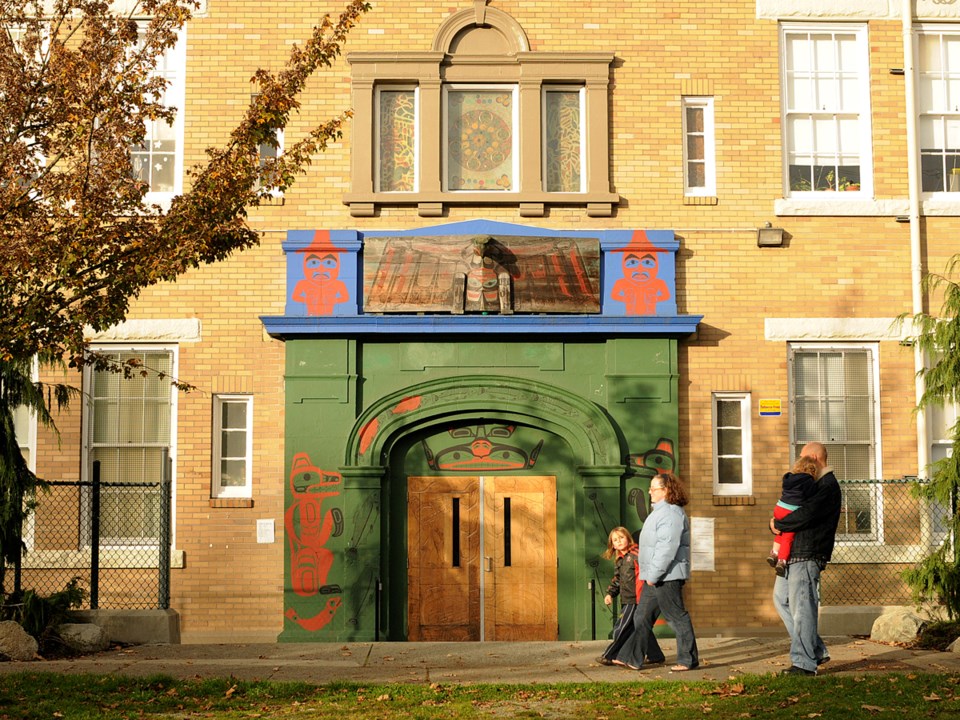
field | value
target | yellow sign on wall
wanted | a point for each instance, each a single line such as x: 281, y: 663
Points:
x: 770, y: 408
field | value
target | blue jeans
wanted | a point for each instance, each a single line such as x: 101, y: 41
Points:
x: 796, y: 596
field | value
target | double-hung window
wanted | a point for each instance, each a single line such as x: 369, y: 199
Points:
x: 942, y: 420
x: 938, y: 68
x: 833, y: 396
x: 232, y: 446
x: 826, y: 109
x: 732, y: 441
x: 699, y: 160
x: 130, y: 432
x: 158, y: 161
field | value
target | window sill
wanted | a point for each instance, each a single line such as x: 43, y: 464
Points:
x: 231, y: 502
x: 700, y: 200
x: 843, y: 207
x: 123, y: 557
x: 720, y: 500
x: 530, y: 204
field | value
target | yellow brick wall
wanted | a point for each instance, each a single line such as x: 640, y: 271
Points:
x: 829, y: 266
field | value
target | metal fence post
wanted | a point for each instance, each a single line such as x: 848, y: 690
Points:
x: 166, y: 501
x: 95, y: 538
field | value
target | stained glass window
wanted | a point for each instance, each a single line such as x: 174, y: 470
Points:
x: 397, y: 158
x: 480, y: 137
x: 563, y: 140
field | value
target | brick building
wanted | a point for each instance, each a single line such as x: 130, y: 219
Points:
x: 559, y: 247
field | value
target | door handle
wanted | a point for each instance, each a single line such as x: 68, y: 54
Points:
x: 488, y: 563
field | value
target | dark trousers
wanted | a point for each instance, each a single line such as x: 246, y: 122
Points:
x: 622, y: 633
x: 667, y: 599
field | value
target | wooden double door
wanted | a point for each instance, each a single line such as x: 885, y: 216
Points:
x: 482, y: 558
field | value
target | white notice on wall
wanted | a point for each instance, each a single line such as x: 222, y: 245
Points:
x: 701, y: 544
x: 265, y: 531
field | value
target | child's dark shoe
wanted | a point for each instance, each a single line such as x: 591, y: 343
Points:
x: 772, y: 560
x: 780, y: 567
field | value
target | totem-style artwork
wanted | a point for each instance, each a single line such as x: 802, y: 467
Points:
x: 309, y: 526
x: 645, y: 465
x: 320, y: 289
x: 369, y: 431
x: 490, y: 274
x: 639, y: 286
x: 479, y: 447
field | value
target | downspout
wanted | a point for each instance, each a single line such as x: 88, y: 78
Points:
x: 916, y: 265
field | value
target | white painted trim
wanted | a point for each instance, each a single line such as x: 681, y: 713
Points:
x: 873, y: 329
x: 745, y: 486
x: 851, y: 10
x: 171, y: 330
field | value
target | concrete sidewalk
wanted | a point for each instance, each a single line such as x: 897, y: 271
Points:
x: 495, y: 662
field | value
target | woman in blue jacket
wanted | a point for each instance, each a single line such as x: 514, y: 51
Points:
x: 664, y: 568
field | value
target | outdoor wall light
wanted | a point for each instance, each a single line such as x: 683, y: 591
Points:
x: 769, y: 236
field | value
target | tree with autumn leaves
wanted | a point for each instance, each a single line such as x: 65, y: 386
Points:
x: 77, y: 89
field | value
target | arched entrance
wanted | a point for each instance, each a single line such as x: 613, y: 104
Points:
x: 490, y: 528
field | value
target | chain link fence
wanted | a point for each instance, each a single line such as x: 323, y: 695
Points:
x: 114, y: 536
x: 884, y: 529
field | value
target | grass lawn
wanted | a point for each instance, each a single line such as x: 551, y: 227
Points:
x: 48, y: 696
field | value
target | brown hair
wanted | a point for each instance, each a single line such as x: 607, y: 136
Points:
x: 676, y: 494
x: 807, y: 465
x: 611, y: 551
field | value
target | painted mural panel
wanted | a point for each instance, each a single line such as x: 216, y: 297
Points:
x: 457, y: 273
x: 321, y: 275
x: 480, y: 140
x: 640, y: 274
x: 313, y: 516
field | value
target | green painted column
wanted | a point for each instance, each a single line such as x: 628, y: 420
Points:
x: 364, y: 605
x: 601, y: 512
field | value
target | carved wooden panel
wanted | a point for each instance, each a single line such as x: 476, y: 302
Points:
x: 444, y: 559
x: 522, y: 528
x: 427, y: 274
x: 518, y: 561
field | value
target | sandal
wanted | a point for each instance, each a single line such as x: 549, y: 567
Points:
x: 683, y: 668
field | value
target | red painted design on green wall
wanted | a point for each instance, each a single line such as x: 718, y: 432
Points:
x: 408, y: 404
x: 367, y: 434
x: 309, y: 525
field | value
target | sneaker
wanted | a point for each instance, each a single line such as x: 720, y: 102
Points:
x: 781, y: 568
x: 822, y: 660
x: 772, y: 560
x: 798, y: 671
x: 604, y: 661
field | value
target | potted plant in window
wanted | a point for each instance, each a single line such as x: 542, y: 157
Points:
x: 849, y: 185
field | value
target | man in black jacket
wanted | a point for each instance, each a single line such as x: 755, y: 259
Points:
x: 796, y: 595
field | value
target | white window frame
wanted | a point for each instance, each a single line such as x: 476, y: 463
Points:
x: 927, y: 109
x: 416, y: 136
x: 581, y: 92
x: 30, y: 443
x: 218, y: 489
x: 709, y: 160
x: 174, y: 96
x: 86, y: 473
x: 514, y: 91
x: 745, y: 486
x: 858, y: 107
x: 876, y: 499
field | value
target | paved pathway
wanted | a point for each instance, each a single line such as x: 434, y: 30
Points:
x: 538, y: 662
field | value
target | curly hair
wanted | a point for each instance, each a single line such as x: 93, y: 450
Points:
x: 676, y: 493
x: 807, y: 465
